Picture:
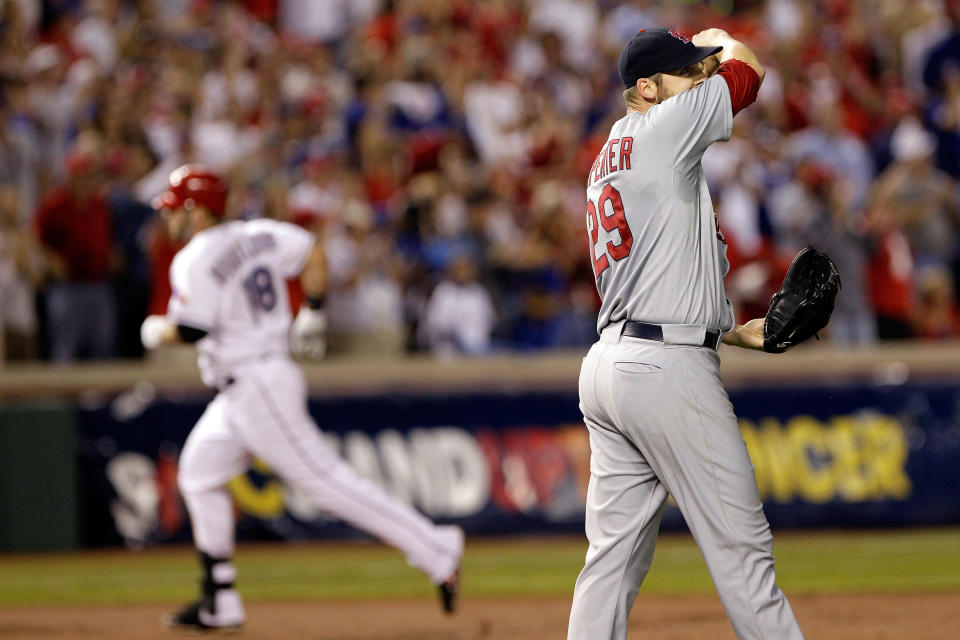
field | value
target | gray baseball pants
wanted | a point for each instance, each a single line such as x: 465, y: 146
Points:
x: 660, y: 423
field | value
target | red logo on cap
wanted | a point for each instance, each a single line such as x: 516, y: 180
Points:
x: 679, y: 36
x: 641, y: 31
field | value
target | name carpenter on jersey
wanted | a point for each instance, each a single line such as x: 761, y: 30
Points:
x: 613, y: 157
x: 235, y: 255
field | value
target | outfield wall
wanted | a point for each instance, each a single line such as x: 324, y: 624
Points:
x: 838, y: 439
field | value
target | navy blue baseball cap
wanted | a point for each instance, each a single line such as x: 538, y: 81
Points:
x: 657, y: 50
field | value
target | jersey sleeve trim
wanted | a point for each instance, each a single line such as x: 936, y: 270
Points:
x: 742, y: 81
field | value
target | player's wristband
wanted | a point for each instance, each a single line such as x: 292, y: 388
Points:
x: 315, y: 302
x: 190, y: 334
x: 153, y: 331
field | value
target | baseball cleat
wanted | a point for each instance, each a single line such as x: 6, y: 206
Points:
x: 450, y: 592
x: 188, y: 619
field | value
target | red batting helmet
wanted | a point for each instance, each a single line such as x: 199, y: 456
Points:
x: 191, y: 185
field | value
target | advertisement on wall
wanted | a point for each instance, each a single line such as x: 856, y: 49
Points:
x: 855, y: 455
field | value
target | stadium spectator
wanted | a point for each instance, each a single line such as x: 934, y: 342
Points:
x: 364, y: 300
x: 50, y: 103
x: 443, y: 120
x: 74, y: 226
x: 890, y: 273
x: 944, y: 54
x: 941, y: 75
x: 459, y: 317
x: 21, y: 272
x: 938, y: 317
x: 19, y: 147
x: 922, y: 197
x: 837, y: 149
x: 129, y: 204
x: 817, y: 209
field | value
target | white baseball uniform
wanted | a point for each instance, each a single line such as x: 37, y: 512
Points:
x: 658, y: 415
x: 230, y: 282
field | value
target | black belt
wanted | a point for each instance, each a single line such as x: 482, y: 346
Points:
x: 648, y: 331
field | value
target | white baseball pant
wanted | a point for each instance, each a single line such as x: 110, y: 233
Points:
x: 263, y: 413
x: 660, y: 423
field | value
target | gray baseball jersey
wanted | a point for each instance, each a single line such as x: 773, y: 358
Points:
x: 658, y: 254
x: 659, y: 418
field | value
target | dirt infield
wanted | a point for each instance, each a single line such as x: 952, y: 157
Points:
x: 834, y: 617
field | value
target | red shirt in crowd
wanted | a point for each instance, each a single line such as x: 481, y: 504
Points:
x: 161, y: 250
x: 890, y: 277
x: 80, y: 231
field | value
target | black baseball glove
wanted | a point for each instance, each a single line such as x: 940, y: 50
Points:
x: 804, y: 303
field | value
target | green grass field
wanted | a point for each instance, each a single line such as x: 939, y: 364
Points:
x: 833, y: 562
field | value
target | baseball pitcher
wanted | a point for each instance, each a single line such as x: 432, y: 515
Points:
x: 229, y: 298
x: 658, y: 416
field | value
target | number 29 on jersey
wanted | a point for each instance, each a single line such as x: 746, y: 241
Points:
x: 608, y: 213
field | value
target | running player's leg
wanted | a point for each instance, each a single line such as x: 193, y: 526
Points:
x: 702, y: 460
x: 279, y: 430
x: 212, y: 456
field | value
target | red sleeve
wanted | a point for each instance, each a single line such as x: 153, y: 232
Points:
x: 743, y: 82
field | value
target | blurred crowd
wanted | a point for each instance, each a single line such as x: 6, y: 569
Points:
x: 440, y: 148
